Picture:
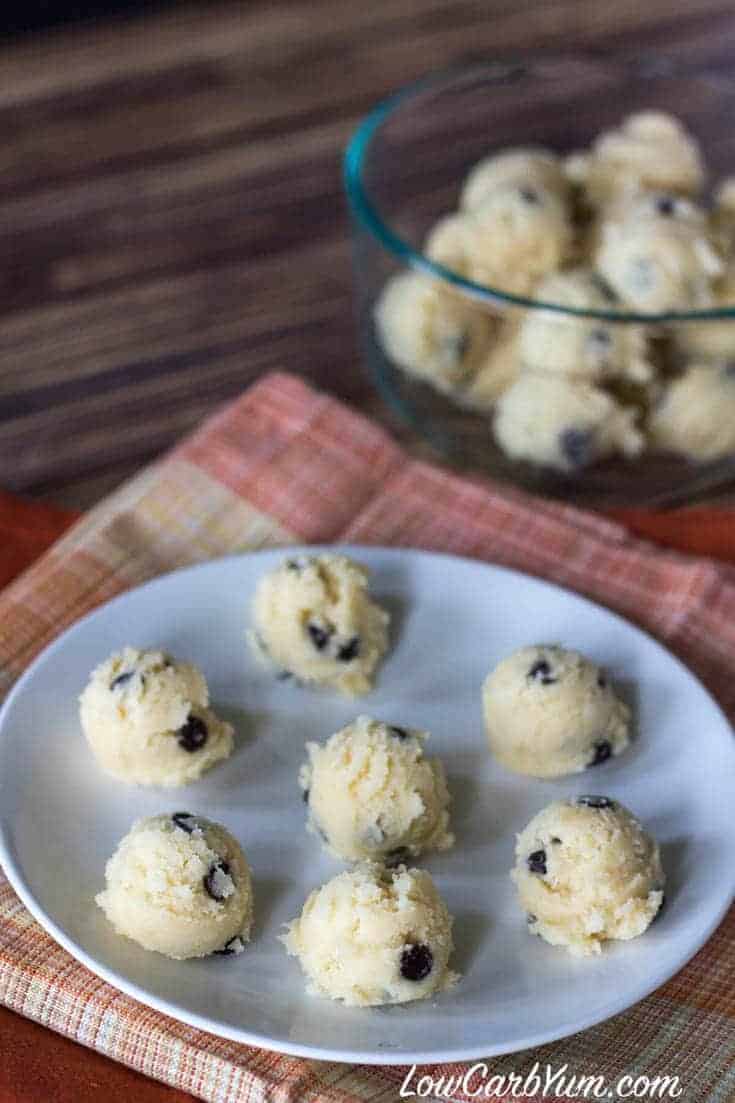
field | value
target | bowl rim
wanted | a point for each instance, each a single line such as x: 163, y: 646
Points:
x: 497, y: 69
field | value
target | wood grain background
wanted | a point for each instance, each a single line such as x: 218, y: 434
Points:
x: 171, y: 225
x: 171, y: 218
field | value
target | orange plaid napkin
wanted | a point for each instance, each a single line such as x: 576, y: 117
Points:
x: 286, y: 465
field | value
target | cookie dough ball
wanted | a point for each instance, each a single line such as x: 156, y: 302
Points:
x: 711, y: 340
x: 432, y: 332
x: 372, y: 794
x: 651, y: 151
x: 497, y: 372
x: 586, y: 872
x: 587, y: 348
x: 532, y: 167
x: 550, y: 711
x: 696, y: 414
x: 722, y: 216
x: 314, y: 619
x: 146, y: 718
x: 374, y: 936
x: 179, y: 884
x: 562, y: 423
x: 657, y: 255
x: 508, y: 242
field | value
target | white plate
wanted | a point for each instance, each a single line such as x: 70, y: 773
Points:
x: 60, y: 818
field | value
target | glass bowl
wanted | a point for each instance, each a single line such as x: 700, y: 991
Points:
x: 403, y: 171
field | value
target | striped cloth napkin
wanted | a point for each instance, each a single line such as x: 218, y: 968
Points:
x: 286, y: 465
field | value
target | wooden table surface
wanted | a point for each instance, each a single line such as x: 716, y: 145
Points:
x: 171, y: 218
x: 171, y: 226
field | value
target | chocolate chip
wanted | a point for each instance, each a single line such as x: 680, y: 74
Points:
x: 602, y: 681
x: 234, y: 946
x: 292, y: 565
x: 457, y: 345
x: 397, y: 857
x: 122, y: 679
x: 416, y: 962
x: 596, y: 802
x: 185, y: 821
x: 284, y: 675
x: 319, y: 636
x: 602, y: 750
x: 665, y: 205
x: 604, y: 288
x: 536, y: 862
x: 305, y: 796
x: 399, y: 733
x: 212, y: 880
x: 541, y: 672
x: 555, y: 840
x: 350, y: 650
x: 600, y: 337
x: 577, y: 446
x: 530, y: 196
x: 531, y: 918
x: 193, y: 735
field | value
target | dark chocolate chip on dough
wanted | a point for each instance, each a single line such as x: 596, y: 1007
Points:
x: 416, y: 962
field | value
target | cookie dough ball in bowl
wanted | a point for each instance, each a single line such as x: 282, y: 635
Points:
x: 530, y: 167
x: 146, y: 718
x: 696, y: 414
x: 712, y: 340
x: 374, y: 936
x: 657, y: 254
x: 498, y: 371
x: 563, y: 423
x: 586, y: 872
x: 372, y: 794
x: 722, y: 215
x: 432, y: 332
x: 550, y: 712
x: 313, y: 618
x: 584, y: 348
x: 650, y: 151
x: 179, y: 884
x: 509, y: 241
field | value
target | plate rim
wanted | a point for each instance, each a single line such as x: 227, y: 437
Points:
x: 370, y: 1056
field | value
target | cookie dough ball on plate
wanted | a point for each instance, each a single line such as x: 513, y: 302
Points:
x: 696, y: 414
x: 587, y: 872
x: 179, y: 884
x: 657, y: 255
x: 374, y: 936
x: 550, y: 711
x: 651, y: 151
x: 373, y: 795
x: 563, y: 423
x: 532, y: 167
x: 314, y: 619
x: 587, y: 348
x: 432, y: 332
x: 509, y: 241
x: 147, y: 720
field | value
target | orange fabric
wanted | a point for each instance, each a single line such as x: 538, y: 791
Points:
x: 29, y: 528
x: 284, y: 464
